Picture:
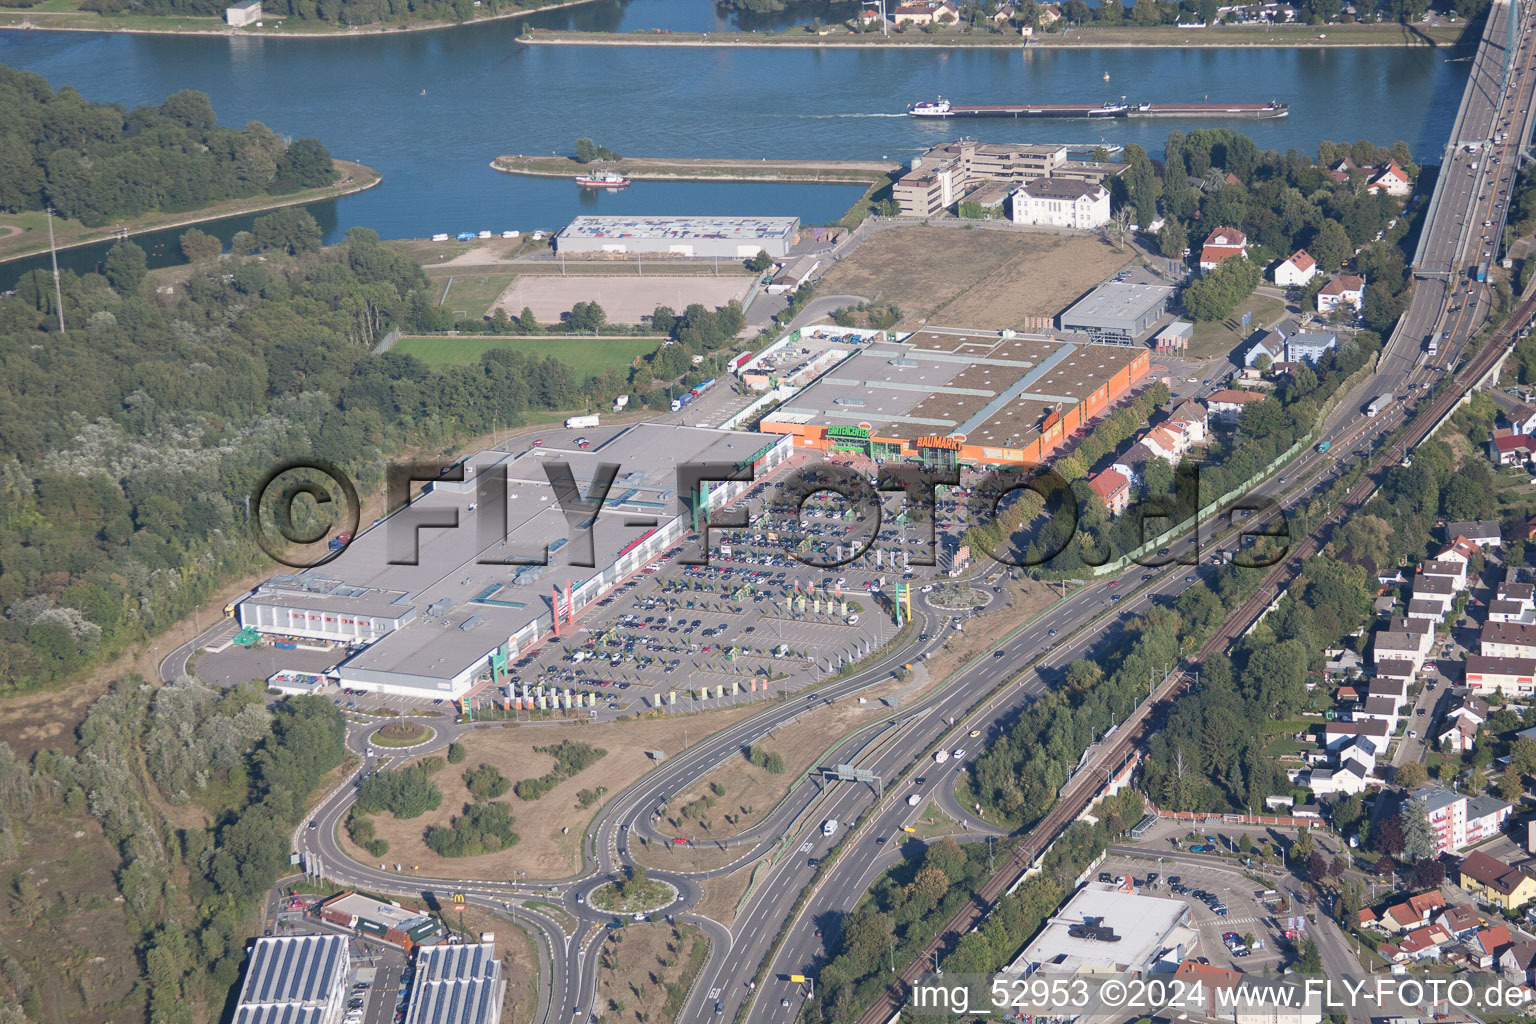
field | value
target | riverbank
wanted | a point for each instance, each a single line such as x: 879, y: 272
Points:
x: 850, y: 172
x: 66, y: 16
x: 30, y: 237
x: 1163, y: 37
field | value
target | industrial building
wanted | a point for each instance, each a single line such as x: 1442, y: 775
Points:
x: 457, y: 984
x: 1102, y: 930
x: 405, y: 927
x: 295, y: 979
x: 508, y: 575
x: 947, y: 396
x: 732, y: 237
x: 1118, y: 312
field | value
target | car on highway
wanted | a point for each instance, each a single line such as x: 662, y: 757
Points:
x: 1114, y: 583
x: 679, y: 841
x: 975, y: 733
x: 1053, y: 632
x: 1115, y: 597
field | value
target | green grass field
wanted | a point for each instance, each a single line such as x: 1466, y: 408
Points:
x: 1220, y: 337
x: 472, y: 294
x: 586, y: 356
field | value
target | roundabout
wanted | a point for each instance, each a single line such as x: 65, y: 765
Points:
x: 636, y: 894
x: 402, y: 734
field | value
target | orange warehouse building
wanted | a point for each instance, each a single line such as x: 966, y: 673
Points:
x: 946, y: 397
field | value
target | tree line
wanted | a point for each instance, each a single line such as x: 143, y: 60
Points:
x: 100, y: 162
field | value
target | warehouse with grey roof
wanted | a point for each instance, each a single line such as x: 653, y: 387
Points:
x: 1120, y: 311
x: 436, y: 610
x: 294, y: 979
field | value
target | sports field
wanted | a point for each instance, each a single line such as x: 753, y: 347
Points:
x: 586, y: 356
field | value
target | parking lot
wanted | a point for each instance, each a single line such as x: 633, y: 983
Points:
x: 1222, y: 903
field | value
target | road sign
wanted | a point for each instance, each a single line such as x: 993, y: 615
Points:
x: 798, y: 979
x: 1247, y: 319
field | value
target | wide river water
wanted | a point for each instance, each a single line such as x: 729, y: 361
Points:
x: 431, y: 109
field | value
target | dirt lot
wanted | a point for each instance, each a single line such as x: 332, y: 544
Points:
x: 624, y: 299
x: 644, y: 970
x: 722, y: 894
x: 973, y: 277
x: 543, y: 851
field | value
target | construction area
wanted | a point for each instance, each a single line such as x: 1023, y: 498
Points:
x: 625, y: 300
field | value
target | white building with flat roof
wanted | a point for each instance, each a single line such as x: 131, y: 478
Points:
x: 733, y: 237
x: 1103, y: 930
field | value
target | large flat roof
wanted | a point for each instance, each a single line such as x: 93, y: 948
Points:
x: 940, y: 381
x: 1114, y: 303
x: 465, y: 609
x: 744, y: 228
x: 294, y: 970
x: 457, y: 984
x: 1145, y: 927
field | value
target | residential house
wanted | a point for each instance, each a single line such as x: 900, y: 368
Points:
x: 1381, y: 709
x: 1346, y: 289
x: 1460, y: 549
x: 1511, y: 449
x: 247, y: 12
x: 1394, y: 690
x: 1399, y: 646
x: 1221, y: 245
x: 1523, y: 594
x: 1460, y: 919
x: 1269, y: 346
x: 1391, y: 179
x: 1347, y: 780
x: 1113, y: 488
x: 1437, y: 589
x: 1449, y: 569
x: 1507, y: 640
x: 1338, y: 735
x: 1419, y: 608
x: 1049, y: 14
x: 1488, y: 944
x: 1343, y: 169
x: 1226, y: 405
x: 1424, y: 943
x: 1192, y: 418
x: 926, y: 12
x: 1507, y: 676
x: 1219, y: 994
x: 1518, y: 962
x: 1296, y: 271
x: 1521, y: 419
x: 1495, y: 882
x: 1129, y: 463
x: 1482, y: 533
x: 1504, y: 610
x: 1062, y: 203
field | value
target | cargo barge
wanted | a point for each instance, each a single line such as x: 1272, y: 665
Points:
x: 942, y: 108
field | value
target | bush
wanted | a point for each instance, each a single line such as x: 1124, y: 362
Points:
x: 485, y: 782
x: 773, y: 764
x: 482, y: 828
x: 360, y: 829
x: 457, y: 752
x: 406, y: 793
x: 571, y: 756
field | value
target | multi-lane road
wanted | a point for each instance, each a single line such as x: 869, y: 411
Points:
x: 1464, y: 220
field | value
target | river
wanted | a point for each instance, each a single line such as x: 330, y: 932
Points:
x: 431, y: 109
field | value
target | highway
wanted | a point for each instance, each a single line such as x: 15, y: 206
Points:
x: 1445, y: 300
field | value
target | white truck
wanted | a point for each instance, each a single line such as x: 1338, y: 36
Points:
x: 581, y: 422
x: 1378, y: 403
x: 940, y: 756
x: 829, y: 827
x: 914, y: 800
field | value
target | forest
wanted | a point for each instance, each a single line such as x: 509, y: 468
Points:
x: 99, y: 162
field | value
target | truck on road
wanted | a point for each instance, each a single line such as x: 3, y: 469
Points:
x: 829, y: 827
x: 581, y: 422
x: 1481, y: 273
x: 1378, y: 403
x: 1433, y: 343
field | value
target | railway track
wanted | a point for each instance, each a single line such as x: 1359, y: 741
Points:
x: 1075, y: 798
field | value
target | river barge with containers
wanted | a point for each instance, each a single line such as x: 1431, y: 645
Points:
x: 943, y: 108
